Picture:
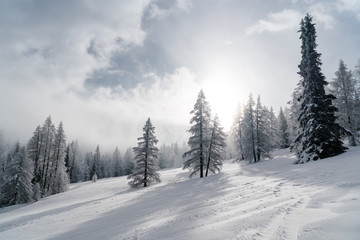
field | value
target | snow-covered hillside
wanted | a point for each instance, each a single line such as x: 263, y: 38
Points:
x: 269, y: 200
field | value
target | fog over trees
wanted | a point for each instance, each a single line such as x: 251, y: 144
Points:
x: 319, y: 121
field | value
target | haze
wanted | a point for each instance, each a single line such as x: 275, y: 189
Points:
x: 103, y: 69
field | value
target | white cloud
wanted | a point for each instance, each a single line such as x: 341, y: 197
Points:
x: 46, y: 58
x: 349, y: 5
x: 228, y: 42
x: 52, y: 44
x: 352, y: 5
x: 157, y: 12
x: 108, y: 118
x: 321, y: 13
x: 184, y: 4
x: 276, y: 22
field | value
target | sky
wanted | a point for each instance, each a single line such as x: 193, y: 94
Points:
x: 104, y: 67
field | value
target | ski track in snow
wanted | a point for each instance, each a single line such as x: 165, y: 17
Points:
x: 272, y: 199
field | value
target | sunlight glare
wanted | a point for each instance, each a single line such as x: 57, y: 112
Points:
x: 222, y: 91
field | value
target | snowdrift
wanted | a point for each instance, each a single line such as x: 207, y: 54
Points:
x: 273, y: 199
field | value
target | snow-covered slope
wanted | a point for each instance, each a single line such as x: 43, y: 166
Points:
x: 269, y: 200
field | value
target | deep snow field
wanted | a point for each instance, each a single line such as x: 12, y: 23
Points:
x: 273, y: 199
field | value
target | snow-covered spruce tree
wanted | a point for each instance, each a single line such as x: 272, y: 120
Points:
x: 249, y: 131
x: 48, y: 136
x: 146, y: 154
x: 18, y: 188
x: 39, y: 150
x: 34, y: 149
x: 284, y: 135
x: 343, y: 87
x: 319, y: 133
x: 95, y: 164
x: 59, y: 178
x: 263, y: 143
x: 216, y: 148
x: 195, y: 158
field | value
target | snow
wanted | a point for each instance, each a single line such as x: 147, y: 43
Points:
x: 273, y: 199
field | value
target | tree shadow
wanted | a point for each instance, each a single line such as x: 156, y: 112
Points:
x: 155, y: 213
x: 31, y: 217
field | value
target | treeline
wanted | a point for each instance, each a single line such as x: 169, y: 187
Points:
x: 320, y: 117
x: 35, y: 170
x: 344, y: 88
x: 47, y: 164
x: 257, y: 131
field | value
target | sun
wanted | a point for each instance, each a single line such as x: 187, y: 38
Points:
x: 223, y: 93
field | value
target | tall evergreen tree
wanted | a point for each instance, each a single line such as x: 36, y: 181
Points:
x: 198, y: 142
x: 216, y: 148
x: 48, y: 136
x: 263, y: 143
x: 58, y: 175
x: 319, y: 133
x: 34, y: 149
x: 146, y: 154
x: 249, y: 131
x: 18, y: 188
x: 344, y: 89
x: 284, y: 135
x: 40, y: 151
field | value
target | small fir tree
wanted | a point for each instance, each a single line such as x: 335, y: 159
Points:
x: 263, y: 143
x: 216, y: 148
x: 146, y: 154
x: 18, y: 188
x: 198, y: 142
x: 343, y: 87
